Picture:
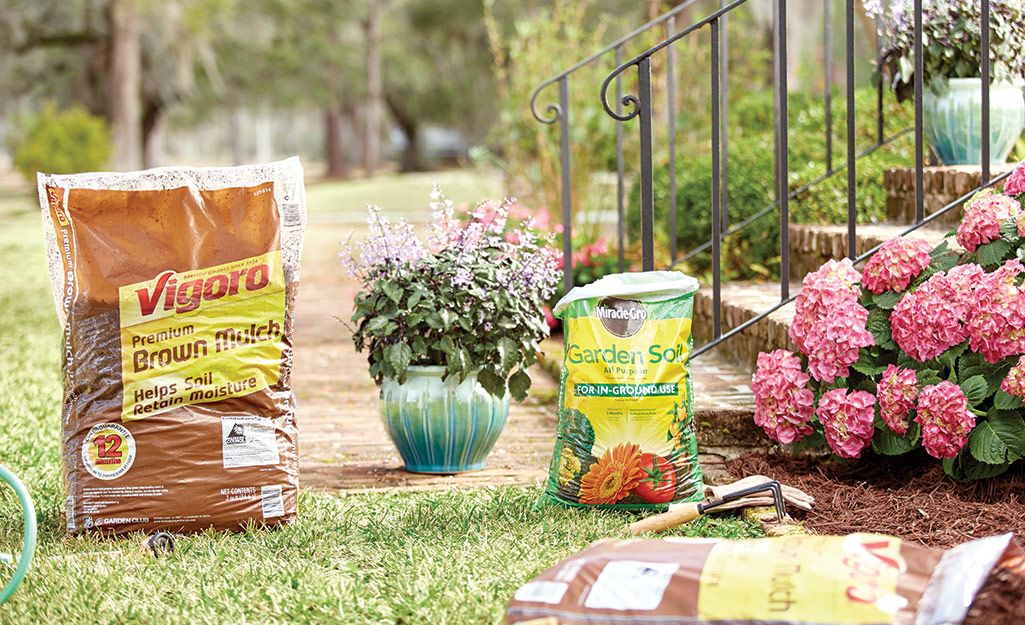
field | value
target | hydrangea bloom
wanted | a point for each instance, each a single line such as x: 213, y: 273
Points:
x: 945, y: 419
x: 930, y: 321
x: 897, y: 392
x: 896, y: 263
x: 847, y: 421
x: 829, y: 323
x: 783, y: 403
x: 982, y: 219
x: 1014, y: 383
x: 1015, y: 183
x: 996, y: 321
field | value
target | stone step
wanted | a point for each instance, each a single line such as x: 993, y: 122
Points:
x: 941, y: 185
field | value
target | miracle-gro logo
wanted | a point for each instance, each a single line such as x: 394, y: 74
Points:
x: 188, y: 295
x: 622, y: 318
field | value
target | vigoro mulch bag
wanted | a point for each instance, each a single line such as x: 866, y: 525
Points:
x: 858, y: 579
x: 175, y: 290
x: 626, y: 426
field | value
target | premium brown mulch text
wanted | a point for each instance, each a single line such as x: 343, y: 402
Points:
x: 910, y: 497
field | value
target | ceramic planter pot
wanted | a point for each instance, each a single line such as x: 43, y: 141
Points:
x: 953, y: 121
x: 441, y: 426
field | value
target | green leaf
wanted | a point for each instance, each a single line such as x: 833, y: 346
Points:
x: 974, y: 389
x: 447, y: 317
x: 965, y: 468
x: 887, y: 300
x: 1005, y: 401
x: 985, y: 445
x: 1009, y: 231
x: 519, y: 383
x: 940, y: 249
x: 376, y: 325
x: 398, y: 356
x: 878, y: 324
x: 492, y: 382
x: 393, y: 291
x: 945, y: 262
x: 415, y: 298
x: 867, y: 364
x: 928, y: 377
x: 992, y: 253
x: 1010, y: 429
x: 887, y: 443
x: 508, y: 351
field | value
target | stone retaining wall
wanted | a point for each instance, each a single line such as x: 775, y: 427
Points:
x: 942, y: 186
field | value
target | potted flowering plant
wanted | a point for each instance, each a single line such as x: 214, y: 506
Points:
x: 923, y: 349
x: 450, y: 322
x: 951, y: 58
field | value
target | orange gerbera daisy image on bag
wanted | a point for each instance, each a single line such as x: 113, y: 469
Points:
x: 613, y: 476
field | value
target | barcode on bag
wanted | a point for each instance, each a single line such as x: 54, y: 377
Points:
x: 291, y: 215
x: 273, y: 505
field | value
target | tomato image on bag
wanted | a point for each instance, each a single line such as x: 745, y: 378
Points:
x: 626, y: 427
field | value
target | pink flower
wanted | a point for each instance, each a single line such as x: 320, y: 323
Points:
x: 945, y: 419
x: 1014, y: 383
x: 783, y: 403
x: 847, y: 421
x: 897, y: 392
x: 832, y: 346
x: 896, y: 263
x: 549, y: 317
x: 1015, y: 183
x: 829, y: 323
x: 929, y: 321
x: 996, y: 319
x: 983, y: 216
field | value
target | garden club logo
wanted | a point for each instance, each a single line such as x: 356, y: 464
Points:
x: 621, y: 317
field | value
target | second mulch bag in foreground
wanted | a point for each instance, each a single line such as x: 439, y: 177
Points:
x: 626, y: 426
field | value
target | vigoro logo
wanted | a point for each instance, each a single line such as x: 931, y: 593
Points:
x: 621, y: 317
x: 55, y: 205
x: 188, y: 295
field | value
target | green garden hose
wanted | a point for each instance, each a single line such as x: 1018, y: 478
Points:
x: 29, y: 547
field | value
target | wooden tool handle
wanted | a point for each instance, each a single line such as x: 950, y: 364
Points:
x: 661, y: 522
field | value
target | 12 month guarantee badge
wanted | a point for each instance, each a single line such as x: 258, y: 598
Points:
x: 108, y: 451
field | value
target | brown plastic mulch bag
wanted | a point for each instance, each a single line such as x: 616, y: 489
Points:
x: 859, y: 579
x: 625, y: 437
x: 175, y: 290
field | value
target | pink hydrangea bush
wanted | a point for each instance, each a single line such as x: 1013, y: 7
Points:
x: 929, y: 351
x: 945, y: 419
x: 897, y: 393
x: 983, y: 216
x: 829, y: 323
x: 783, y: 404
x: 847, y: 421
x: 896, y: 263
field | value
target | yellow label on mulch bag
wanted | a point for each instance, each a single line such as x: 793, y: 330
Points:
x: 201, y: 336
x: 815, y: 579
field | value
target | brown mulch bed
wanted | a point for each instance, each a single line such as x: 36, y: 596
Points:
x: 909, y: 497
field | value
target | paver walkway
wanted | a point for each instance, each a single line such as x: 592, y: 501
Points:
x: 343, y: 444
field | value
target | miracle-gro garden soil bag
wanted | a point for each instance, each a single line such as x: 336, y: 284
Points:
x: 625, y: 437
x: 175, y: 290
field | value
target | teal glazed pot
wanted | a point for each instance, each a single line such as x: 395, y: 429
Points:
x: 953, y: 121
x: 441, y: 426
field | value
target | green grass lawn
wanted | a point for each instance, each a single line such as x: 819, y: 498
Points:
x: 432, y: 558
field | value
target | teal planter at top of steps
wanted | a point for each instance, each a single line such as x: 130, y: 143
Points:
x: 441, y: 426
x: 953, y: 121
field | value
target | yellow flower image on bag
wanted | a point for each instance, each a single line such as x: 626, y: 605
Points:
x: 626, y: 427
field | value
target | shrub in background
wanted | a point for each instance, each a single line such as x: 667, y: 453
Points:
x: 60, y: 142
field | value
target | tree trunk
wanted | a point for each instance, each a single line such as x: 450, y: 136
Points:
x: 124, y: 84
x: 410, y: 127
x: 372, y: 129
x: 333, y: 143
x: 154, y: 126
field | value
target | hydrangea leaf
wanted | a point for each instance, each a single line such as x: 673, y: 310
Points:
x: 519, y: 382
x: 887, y: 300
x: 1009, y: 231
x: 878, y: 323
x: 974, y: 389
x: 992, y: 253
x: 1010, y: 429
x: 1005, y: 401
x: 887, y: 443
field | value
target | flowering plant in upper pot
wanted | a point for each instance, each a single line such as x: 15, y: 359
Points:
x: 951, y: 60
x: 450, y: 321
x: 923, y: 349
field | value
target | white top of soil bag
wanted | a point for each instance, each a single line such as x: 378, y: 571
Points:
x: 647, y: 286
